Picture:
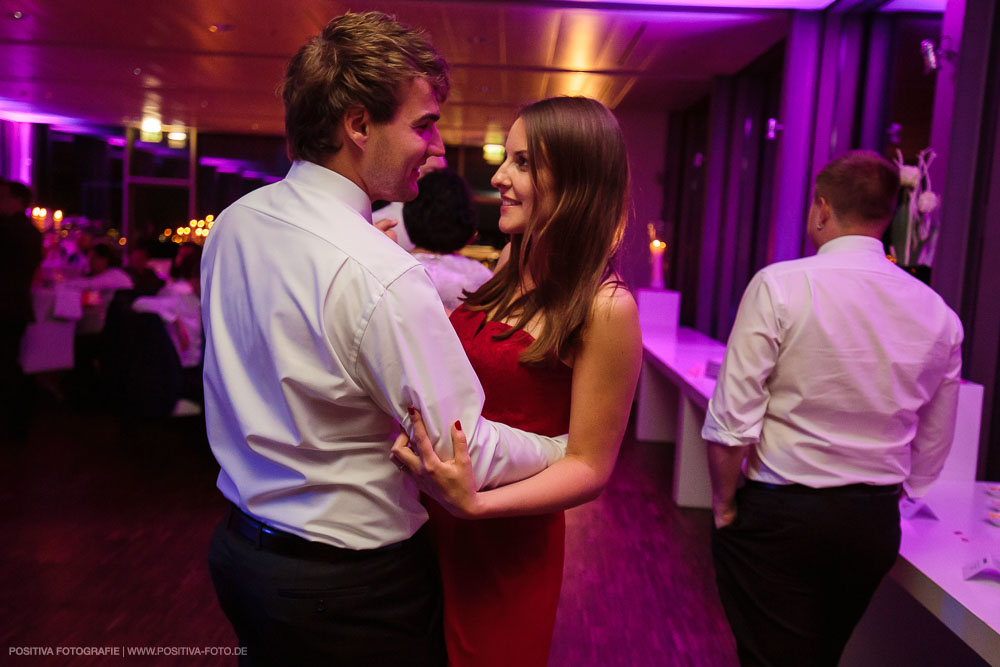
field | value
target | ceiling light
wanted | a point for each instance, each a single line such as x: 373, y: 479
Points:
x: 151, y: 131
x: 176, y: 139
x: 493, y: 153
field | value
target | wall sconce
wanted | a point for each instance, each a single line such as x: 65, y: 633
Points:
x: 176, y: 139
x: 151, y: 131
x: 773, y: 127
x: 493, y: 153
x: 933, y: 55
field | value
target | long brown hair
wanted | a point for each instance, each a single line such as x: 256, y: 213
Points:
x: 567, y: 249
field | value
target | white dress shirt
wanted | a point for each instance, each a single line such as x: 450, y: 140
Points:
x: 320, y: 332
x: 394, y: 211
x: 452, y: 274
x: 841, y: 368
x: 178, y: 306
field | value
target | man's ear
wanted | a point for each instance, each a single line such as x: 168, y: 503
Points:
x: 356, y: 124
x: 825, y: 212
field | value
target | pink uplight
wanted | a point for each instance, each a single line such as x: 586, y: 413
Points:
x: 725, y: 4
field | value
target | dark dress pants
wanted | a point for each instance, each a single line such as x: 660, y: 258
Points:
x: 15, y: 390
x: 796, y: 570
x: 383, y: 609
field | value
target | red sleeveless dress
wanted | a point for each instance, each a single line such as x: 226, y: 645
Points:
x: 502, y: 576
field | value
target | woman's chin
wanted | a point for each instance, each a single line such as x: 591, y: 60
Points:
x: 511, y: 226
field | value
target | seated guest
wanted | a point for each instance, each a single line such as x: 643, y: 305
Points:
x: 103, y: 271
x: 146, y: 282
x: 439, y: 222
x: 838, y: 391
x: 178, y: 303
x: 104, y: 277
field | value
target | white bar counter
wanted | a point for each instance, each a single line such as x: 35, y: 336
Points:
x: 933, y: 552
x: 926, y: 591
x: 671, y: 402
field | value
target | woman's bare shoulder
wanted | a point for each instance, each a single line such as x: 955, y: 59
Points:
x: 615, y: 303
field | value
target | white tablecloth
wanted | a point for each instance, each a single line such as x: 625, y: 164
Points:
x: 48, y: 341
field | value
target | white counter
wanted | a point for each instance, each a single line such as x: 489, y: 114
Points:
x: 933, y: 552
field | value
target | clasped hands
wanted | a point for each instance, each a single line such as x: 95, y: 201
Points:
x: 451, y: 483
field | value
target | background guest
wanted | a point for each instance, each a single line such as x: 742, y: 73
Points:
x: 20, y: 256
x: 439, y: 222
x: 144, y: 278
x: 178, y: 303
x: 839, y: 387
x: 104, y: 278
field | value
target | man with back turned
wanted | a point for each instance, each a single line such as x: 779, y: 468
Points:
x: 321, y: 333
x: 838, y: 392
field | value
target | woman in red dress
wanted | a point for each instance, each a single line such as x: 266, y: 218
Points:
x: 554, y: 337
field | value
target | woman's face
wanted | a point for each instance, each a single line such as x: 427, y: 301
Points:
x: 518, y: 196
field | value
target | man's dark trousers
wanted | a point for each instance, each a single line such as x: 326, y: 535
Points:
x: 798, y: 567
x: 370, y: 608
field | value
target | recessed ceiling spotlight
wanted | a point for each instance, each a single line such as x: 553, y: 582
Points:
x: 137, y: 71
x: 221, y: 27
x: 17, y: 15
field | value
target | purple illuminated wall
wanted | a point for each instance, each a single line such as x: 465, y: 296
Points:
x: 15, y: 151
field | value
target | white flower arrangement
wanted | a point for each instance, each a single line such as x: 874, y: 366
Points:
x: 915, y: 226
x: 909, y: 176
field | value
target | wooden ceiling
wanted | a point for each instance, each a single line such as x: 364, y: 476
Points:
x: 215, y: 64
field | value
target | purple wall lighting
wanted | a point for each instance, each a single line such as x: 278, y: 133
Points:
x: 718, y: 4
x: 15, y: 163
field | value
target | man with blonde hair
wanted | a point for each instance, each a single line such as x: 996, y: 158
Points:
x: 320, y: 335
x: 838, y: 391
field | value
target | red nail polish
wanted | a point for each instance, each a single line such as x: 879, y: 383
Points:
x: 411, y: 410
x: 458, y: 425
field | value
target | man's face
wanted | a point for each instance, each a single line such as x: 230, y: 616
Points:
x: 396, y: 150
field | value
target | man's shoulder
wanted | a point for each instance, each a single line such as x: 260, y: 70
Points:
x: 326, y: 226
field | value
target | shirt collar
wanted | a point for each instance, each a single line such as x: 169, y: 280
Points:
x: 331, y: 183
x: 853, y: 243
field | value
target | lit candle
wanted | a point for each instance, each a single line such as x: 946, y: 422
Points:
x: 656, y: 250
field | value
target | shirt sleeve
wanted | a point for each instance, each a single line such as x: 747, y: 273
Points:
x: 410, y: 355
x: 155, y: 304
x: 936, y: 423
x: 736, y: 410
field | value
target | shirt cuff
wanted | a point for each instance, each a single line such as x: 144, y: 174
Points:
x: 718, y: 436
x: 916, y: 487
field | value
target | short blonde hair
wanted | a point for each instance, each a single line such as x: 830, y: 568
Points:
x: 360, y: 59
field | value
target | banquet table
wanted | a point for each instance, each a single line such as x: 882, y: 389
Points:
x: 48, y: 341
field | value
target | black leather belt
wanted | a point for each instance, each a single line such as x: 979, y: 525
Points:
x: 278, y: 541
x: 847, y: 490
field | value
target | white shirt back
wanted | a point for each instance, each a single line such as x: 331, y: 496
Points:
x: 843, y: 369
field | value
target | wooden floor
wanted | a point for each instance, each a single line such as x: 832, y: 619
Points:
x: 105, y: 528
